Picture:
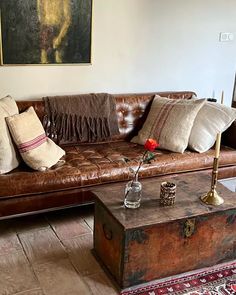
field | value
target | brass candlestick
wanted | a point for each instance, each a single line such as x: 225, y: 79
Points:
x: 212, y: 197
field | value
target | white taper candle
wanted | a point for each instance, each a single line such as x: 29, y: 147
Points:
x: 218, y: 137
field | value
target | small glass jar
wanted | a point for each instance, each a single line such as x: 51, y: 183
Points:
x: 133, y: 194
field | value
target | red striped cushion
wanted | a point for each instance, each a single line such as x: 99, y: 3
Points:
x: 170, y: 122
x: 37, y: 150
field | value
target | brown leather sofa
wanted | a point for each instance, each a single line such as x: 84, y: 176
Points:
x: 88, y: 166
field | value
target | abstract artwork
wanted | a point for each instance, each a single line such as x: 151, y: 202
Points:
x: 45, y: 31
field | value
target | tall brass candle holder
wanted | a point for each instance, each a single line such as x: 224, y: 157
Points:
x: 212, y: 197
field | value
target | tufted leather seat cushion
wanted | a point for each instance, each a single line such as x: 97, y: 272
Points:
x: 95, y: 164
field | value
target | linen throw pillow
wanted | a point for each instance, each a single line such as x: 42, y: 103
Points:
x: 8, y: 157
x: 170, y: 122
x: 37, y: 150
x: 213, y: 118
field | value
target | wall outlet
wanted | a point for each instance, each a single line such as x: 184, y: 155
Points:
x: 226, y: 37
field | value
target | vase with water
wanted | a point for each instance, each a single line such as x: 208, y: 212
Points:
x: 133, y: 193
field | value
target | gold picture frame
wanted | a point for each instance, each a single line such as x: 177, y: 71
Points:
x: 45, y: 32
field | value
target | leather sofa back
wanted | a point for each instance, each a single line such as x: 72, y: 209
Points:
x: 132, y: 109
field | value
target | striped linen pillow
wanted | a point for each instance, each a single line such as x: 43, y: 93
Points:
x: 170, y: 122
x: 8, y: 156
x: 37, y: 150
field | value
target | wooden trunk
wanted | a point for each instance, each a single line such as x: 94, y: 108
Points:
x: 152, y: 242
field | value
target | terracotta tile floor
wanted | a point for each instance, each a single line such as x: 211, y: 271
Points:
x: 51, y: 254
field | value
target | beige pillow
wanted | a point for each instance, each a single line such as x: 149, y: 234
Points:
x: 38, y: 151
x: 170, y: 122
x: 8, y: 158
x: 213, y: 118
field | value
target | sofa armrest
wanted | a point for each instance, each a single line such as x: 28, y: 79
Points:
x: 229, y: 136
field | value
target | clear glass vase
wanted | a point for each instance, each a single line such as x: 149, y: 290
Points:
x: 133, y: 194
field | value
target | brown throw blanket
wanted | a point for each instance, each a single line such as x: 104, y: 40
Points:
x: 80, y: 118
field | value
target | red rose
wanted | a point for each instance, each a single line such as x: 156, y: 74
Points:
x: 151, y: 144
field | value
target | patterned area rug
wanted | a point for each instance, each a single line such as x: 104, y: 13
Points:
x: 220, y: 280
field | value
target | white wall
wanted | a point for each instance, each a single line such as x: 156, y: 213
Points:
x: 143, y: 45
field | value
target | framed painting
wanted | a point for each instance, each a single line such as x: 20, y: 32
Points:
x: 46, y: 32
